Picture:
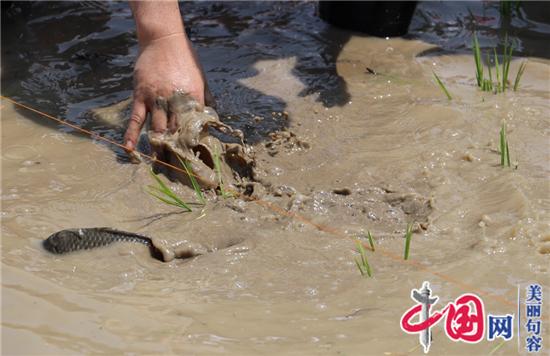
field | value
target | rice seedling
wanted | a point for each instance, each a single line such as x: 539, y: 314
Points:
x: 504, y: 151
x: 371, y: 240
x: 497, y: 71
x: 191, y: 175
x: 363, y: 266
x: 519, y: 74
x: 477, y: 59
x: 408, y: 236
x: 442, y: 86
x: 163, y: 193
x: 166, y: 195
x: 217, y: 168
x: 506, y: 7
x: 501, y: 69
x: 488, y: 84
x: 507, y: 58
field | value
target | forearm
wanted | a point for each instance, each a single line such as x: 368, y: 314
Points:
x: 156, y: 19
x: 166, y: 64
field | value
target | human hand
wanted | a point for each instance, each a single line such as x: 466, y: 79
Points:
x: 164, y: 65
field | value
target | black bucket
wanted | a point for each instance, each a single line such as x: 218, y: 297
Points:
x: 377, y: 18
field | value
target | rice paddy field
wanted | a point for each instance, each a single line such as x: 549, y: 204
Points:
x: 385, y: 163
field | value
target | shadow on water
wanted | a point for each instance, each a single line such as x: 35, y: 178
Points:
x: 65, y: 58
x: 232, y: 37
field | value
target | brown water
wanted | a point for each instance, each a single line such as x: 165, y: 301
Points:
x: 284, y: 286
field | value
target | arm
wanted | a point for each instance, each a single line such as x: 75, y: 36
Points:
x: 156, y: 19
x: 166, y: 63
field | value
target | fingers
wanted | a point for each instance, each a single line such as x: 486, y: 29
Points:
x: 172, y: 123
x: 158, y: 123
x: 161, y: 118
x: 137, y: 119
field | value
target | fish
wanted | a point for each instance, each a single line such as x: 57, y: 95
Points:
x: 70, y: 240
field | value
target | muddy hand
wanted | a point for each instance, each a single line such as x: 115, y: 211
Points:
x: 166, y: 64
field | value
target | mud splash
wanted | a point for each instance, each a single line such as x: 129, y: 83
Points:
x: 354, y: 151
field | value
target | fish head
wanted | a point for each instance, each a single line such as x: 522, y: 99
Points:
x: 62, y: 241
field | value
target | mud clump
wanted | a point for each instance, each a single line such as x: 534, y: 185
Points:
x: 413, y: 205
x: 210, y: 160
x: 285, y: 140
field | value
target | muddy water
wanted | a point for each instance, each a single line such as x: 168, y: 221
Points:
x: 267, y: 282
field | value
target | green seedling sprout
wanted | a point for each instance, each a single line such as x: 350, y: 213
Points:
x: 504, y: 151
x: 502, y: 69
x: 371, y: 240
x: 217, y: 167
x: 191, y: 175
x: 363, y: 266
x: 477, y: 59
x: 488, y: 83
x: 163, y: 193
x: 442, y: 86
x: 507, y: 6
x: 497, y: 71
x: 506, y: 63
x: 408, y: 236
x: 519, y: 74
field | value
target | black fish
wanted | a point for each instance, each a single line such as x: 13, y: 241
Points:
x: 69, y: 240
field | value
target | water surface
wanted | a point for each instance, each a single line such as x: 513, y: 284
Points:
x: 404, y: 152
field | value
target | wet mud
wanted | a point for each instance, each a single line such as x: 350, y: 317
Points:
x: 192, y: 152
x: 338, y: 151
